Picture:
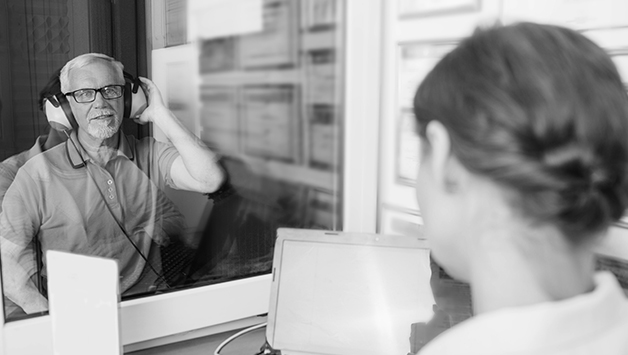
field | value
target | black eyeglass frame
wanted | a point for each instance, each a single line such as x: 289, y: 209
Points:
x: 96, y: 91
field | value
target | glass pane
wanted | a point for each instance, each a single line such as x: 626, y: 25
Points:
x: 268, y: 103
x: 35, y: 41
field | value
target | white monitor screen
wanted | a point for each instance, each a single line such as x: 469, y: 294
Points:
x: 348, y: 298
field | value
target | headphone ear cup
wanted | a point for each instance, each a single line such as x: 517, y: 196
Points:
x: 134, y: 97
x: 138, y: 99
x: 128, y: 100
x: 59, y: 113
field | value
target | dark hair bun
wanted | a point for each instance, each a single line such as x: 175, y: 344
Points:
x: 583, y: 190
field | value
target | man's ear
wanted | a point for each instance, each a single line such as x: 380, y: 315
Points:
x: 448, y: 172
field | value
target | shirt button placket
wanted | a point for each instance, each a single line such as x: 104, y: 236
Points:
x: 110, y: 189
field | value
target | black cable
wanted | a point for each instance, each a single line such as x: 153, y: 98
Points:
x: 113, y: 215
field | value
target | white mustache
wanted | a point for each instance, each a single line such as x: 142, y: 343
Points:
x: 95, y: 114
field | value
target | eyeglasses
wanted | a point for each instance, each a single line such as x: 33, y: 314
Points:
x: 110, y: 92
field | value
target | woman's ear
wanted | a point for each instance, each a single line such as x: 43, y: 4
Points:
x: 447, y: 170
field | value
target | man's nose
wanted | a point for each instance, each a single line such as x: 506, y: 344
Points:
x: 99, y: 99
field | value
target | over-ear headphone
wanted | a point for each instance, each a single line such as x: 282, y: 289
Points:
x: 60, y: 116
x: 134, y: 96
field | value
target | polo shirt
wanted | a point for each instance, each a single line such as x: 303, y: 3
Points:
x: 72, y: 204
x: 592, y: 323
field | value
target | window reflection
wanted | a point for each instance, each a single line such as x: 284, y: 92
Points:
x: 269, y: 104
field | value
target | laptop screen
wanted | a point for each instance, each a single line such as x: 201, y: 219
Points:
x: 348, y: 293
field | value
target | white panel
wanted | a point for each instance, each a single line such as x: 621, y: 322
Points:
x: 581, y: 14
x: 214, y: 18
x: 615, y: 244
x: 83, y: 298
x: 445, y: 26
x: 611, y: 39
x: 400, y: 222
x: 621, y: 61
x: 181, y: 95
x: 362, y: 94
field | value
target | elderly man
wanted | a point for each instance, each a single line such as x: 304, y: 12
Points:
x: 100, y: 193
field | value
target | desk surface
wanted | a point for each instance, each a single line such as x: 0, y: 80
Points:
x: 247, y: 344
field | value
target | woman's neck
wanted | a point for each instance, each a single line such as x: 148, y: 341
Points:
x: 527, y: 266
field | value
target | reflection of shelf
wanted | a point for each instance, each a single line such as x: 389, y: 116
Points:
x: 260, y: 77
x: 316, y: 14
x: 217, y: 55
x: 319, y: 40
x: 321, y: 77
x: 321, y: 208
x: 276, y: 44
x: 270, y: 124
x: 290, y: 173
x: 219, y: 118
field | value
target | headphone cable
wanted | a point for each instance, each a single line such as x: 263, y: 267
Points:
x: 162, y: 276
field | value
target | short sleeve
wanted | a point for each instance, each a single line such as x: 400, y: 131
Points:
x: 168, y: 154
x: 155, y: 158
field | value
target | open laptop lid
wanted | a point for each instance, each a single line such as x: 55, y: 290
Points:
x: 347, y: 293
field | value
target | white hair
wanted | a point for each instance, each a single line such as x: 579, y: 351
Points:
x: 83, y: 60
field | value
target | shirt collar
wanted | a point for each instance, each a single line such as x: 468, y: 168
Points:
x: 78, y: 155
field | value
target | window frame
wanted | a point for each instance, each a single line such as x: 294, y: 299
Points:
x: 146, y: 322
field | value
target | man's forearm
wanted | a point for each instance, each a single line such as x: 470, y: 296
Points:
x: 198, y: 160
x: 20, y: 288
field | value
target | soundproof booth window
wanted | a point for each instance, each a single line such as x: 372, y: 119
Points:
x: 266, y: 103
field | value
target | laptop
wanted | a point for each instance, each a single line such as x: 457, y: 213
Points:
x: 339, y: 293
